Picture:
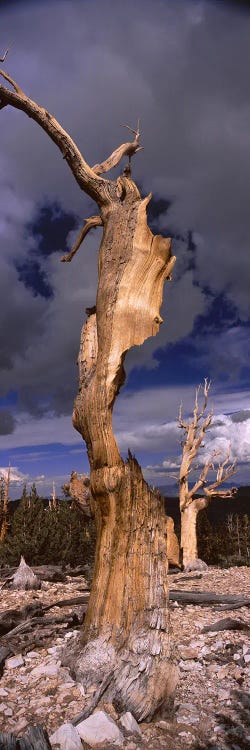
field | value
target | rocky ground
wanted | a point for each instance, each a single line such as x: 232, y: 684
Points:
x: 212, y: 701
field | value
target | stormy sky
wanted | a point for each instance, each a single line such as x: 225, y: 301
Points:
x: 183, y: 68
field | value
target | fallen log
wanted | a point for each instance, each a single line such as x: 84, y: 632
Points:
x: 5, y: 652
x: 7, y: 572
x: 51, y: 573
x: 225, y: 607
x: 227, y: 623
x: 10, y: 618
x: 24, y: 627
x: 185, y: 597
x: 207, y: 598
x: 74, y: 601
x: 36, y: 738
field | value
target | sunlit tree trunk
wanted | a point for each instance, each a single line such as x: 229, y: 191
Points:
x: 127, y: 612
x: 125, y: 636
x: 189, y: 543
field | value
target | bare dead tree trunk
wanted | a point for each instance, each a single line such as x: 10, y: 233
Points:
x: 126, y: 629
x: 127, y: 612
x: 190, y: 505
x: 53, y: 501
x: 189, y: 543
x: 5, y: 504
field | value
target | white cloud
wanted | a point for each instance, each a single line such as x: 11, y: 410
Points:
x: 16, y: 475
x: 228, y: 437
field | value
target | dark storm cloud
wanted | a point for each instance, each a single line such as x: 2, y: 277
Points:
x: 7, y: 422
x: 240, y: 416
x: 182, y: 67
x: 47, y: 234
x: 50, y: 228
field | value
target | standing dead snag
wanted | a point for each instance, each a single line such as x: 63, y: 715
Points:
x: 189, y: 504
x: 126, y: 629
x: 4, y: 505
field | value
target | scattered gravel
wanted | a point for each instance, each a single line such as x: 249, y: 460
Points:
x: 212, y: 700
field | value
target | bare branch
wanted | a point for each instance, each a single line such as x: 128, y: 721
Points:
x: 125, y: 149
x: 136, y: 132
x: 93, y: 221
x: 12, y: 82
x: 2, y: 59
x: 169, y: 268
x: 224, y: 471
x: 198, y: 415
x: 201, y: 481
x: 183, y: 424
x: 86, y: 178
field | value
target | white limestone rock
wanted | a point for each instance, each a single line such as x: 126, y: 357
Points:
x: 46, y: 670
x: 190, y: 666
x: 14, y: 661
x: 66, y: 737
x: 129, y: 723
x: 98, y: 728
x: 32, y: 655
x: 3, y: 693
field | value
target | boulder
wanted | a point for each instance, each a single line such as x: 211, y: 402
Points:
x: 66, y: 737
x: 99, y: 728
x: 14, y: 661
x: 129, y: 723
x: 195, y: 565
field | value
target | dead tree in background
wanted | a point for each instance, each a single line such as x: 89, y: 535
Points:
x: 190, y: 505
x: 4, y: 505
x: 125, y: 637
x: 53, y: 502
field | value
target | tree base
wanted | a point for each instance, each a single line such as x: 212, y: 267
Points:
x: 140, y: 677
x: 125, y: 634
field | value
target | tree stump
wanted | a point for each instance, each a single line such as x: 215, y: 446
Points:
x: 24, y: 578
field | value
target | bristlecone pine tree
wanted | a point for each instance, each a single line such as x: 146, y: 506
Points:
x: 190, y: 505
x: 125, y: 637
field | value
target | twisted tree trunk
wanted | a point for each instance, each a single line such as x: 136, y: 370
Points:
x: 125, y: 638
x: 126, y: 625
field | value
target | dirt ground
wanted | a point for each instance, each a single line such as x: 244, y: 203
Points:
x: 212, y: 703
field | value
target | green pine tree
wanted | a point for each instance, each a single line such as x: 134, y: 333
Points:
x: 27, y: 534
